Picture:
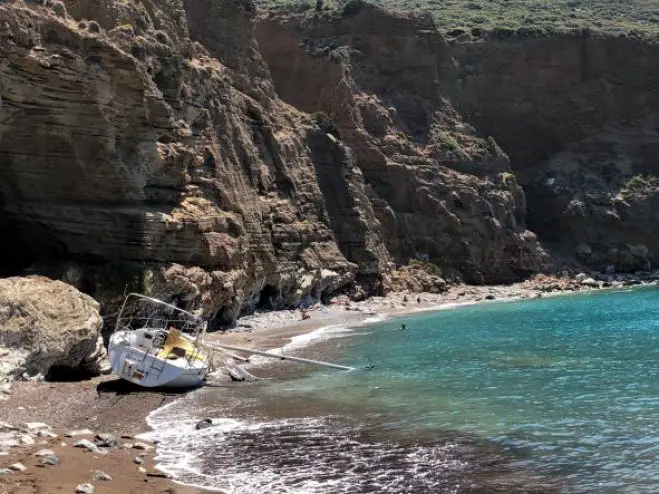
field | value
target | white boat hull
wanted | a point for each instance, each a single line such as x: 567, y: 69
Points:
x: 149, y: 371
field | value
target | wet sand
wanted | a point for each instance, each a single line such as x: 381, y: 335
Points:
x: 108, y: 405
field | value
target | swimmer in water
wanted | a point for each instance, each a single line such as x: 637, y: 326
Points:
x: 403, y: 326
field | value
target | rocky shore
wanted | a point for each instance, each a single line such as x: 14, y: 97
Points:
x: 45, y: 459
x: 355, y: 162
x: 40, y: 450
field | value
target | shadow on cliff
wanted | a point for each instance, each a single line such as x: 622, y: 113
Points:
x: 24, y: 244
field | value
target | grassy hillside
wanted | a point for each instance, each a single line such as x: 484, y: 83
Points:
x: 639, y: 17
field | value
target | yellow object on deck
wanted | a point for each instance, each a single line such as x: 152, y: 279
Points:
x: 186, y: 349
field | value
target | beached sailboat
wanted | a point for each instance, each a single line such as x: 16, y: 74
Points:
x: 156, y: 344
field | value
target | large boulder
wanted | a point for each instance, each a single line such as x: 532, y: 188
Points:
x: 46, y: 327
x: 418, y: 276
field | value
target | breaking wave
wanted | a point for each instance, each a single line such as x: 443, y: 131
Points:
x: 297, y: 456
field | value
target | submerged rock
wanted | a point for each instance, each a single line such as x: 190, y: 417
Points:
x: 204, y: 424
x: 158, y: 475
x: 142, y: 446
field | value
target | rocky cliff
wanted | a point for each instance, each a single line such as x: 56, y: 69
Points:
x: 176, y: 147
x: 441, y: 192
x: 122, y: 139
x: 579, y: 116
x: 575, y: 112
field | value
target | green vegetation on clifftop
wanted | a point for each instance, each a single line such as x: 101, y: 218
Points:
x: 637, y: 17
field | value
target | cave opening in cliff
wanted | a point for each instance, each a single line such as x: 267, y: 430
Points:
x: 24, y: 245
x: 224, y: 319
x: 268, y: 298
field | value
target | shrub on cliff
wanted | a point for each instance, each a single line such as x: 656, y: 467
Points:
x: 504, y: 17
x: 59, y: 8
x: 161, y: 37
x: 353, y: 7
x: 93, y: 27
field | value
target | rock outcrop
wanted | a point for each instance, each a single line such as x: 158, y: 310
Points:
x: 386, y: 80
x: 579, y: 115
x: 48, y: 328
x: 121, y: 139
x: 418, y: 277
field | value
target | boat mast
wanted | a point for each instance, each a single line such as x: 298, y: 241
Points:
x: 278, y: 356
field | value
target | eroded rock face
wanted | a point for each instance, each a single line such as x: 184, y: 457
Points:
x: 579, y: 116
x: 599, y: 199
x: 48, y: 326
x: 386, y: 81
x: 127, y: 141
x: 235, y: 167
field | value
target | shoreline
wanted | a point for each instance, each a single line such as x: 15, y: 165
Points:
x: 107, y: 405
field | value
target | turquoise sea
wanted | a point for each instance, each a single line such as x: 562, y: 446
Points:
x: 557, y: 394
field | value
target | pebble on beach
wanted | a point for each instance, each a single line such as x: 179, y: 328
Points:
x: 101, y: 476
x: 88, y: 445
x: 44, y: 452
x: 158, y: 475
x: 142, y: 446
x: 46, y: 433
x: 85, y: 489
x: 26, y: 440
x: 106, y: 441
x: 48, y: 461
x: 36, y: 426
x: 82, y: 432
x: 17, y: 467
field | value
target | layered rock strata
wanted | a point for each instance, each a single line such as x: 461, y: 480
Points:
x: 177, y: 148
x: 121, y: 139
x: 579, y: 115
x: 48, y: 328
x: 441, y: 192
